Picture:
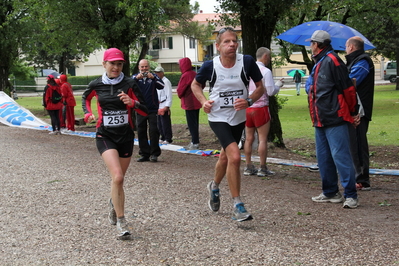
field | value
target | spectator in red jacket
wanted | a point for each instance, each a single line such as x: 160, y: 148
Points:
x: 53, y: 108
x: 189, y: 102
x: 69, y: 102
x: 62, y: 110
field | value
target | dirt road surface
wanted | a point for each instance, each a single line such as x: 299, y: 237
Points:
x: 53, y: 211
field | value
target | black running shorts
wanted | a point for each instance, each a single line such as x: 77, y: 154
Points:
x: 227, y: 134
x: 125, y: 149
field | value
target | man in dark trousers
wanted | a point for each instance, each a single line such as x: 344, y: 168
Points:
x: 148, y: 83
x: 361, y: 71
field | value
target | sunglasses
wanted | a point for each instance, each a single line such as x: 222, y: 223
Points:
x: 223, y: 30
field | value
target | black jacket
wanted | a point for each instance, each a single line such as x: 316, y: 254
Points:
x: 365, y: 89
x: 114, y: 117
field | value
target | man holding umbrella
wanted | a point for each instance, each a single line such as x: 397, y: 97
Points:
x: 332, y: 106
x: 298, y: 79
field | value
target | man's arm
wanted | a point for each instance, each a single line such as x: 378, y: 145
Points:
x: 359, y: 71
x: 196, y: 87
x: 168, y: 92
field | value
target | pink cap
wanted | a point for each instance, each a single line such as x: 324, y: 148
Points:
x: 113, y: 54
x: 50, y: 77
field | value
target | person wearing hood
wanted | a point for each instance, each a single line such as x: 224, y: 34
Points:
x: 69, y: 102
x: 52, y: 101
x: 332, y: 105
x: 189, y: 102
x: 62, y: 113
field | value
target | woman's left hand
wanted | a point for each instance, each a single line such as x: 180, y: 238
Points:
x: 125, y: 98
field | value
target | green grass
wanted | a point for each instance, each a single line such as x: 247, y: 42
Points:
x: 383, y: 128
x: 294, y: 116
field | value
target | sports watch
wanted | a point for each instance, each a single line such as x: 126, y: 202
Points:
x: 249, y: 101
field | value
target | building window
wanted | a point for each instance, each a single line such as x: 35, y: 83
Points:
x: 156, y: 44
x: 167, y: 43
x: 192, y: 43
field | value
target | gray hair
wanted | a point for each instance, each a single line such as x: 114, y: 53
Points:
x: 261, y: 52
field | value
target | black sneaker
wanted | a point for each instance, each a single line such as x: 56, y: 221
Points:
x: 214, y: 198
x: 143, y: 159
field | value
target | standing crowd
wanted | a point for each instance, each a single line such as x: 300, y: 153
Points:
x: 340, y: 99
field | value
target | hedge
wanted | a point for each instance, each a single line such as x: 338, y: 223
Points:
x: 81, y: 82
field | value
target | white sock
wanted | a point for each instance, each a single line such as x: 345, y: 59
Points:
x: 236, y: 200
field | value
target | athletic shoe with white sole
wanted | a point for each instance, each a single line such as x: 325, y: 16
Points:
x: 240, y: 213
x: 335, y: 199
x: 214, y: 198
x: 122, y: 228
x: 350, y: 203
x: 250, y: 170
x: 112, y: 214
x: 264, y: 172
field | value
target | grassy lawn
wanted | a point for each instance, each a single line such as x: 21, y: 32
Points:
x: 294, y: 116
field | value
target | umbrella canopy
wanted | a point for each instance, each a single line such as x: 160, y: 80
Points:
x: 291, y: 72
x: 339, y: 33
x: 46, y: 72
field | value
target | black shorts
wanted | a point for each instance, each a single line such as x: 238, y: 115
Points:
x: 125, y: 149
x: 227, y: 134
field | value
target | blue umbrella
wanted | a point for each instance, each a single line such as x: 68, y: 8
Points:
x: 339, y: 33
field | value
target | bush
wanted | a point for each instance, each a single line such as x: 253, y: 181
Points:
x: 25, y: 85
x: 81, y: 82
x: 174, y: 77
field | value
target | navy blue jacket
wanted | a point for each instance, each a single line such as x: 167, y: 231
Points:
x: 148, y: 89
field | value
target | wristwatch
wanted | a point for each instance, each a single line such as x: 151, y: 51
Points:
x: 250, y: 101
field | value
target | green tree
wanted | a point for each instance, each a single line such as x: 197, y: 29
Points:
x: 15, y: 24
x: 109, y: 24
x: 258, y: 19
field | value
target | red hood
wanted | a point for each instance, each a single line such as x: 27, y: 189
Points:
x: 185, y: 65
x: 63, y: 78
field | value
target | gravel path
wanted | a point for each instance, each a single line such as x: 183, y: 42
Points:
x: 54, y: 192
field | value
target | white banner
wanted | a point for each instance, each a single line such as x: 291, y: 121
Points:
x: 12, y: 114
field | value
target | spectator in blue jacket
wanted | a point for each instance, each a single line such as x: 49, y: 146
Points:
x: 148, y: 83
x: 361, y: 70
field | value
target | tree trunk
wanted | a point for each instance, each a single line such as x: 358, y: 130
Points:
x: 143, y: 52
x: 397, y: 67
x: 5, y: 84
x: 257, y: 32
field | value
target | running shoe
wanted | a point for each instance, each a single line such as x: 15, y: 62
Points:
x: 192, y: 146
x: 112, y: 214
x: 214, y: 198
x: 250, y: 170
x: 264, y: 172
x: 122, y: 228
x: 240, y: 213
x: 314, y: 168
x: 350, y: 203
x: 335, y: 199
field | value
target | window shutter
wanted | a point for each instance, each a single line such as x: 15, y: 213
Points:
x: 170, y: 42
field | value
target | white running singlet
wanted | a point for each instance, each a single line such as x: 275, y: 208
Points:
x: 228, y: 87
